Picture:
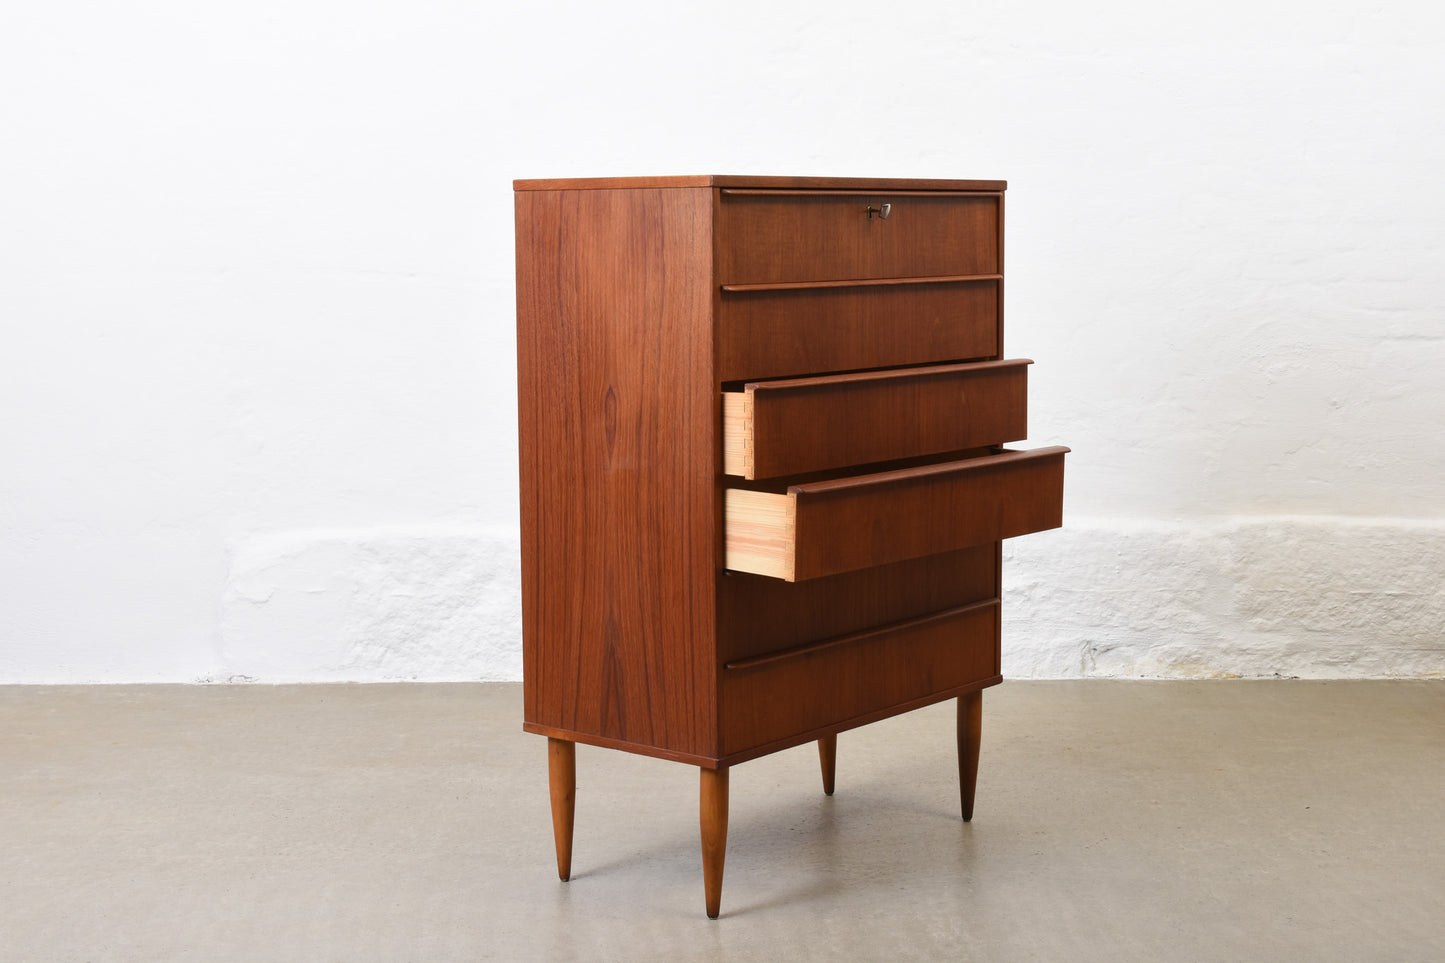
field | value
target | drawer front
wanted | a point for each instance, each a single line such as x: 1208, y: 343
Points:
x: 821, y: 528
x: 788, y: 697
x: 790, y: 236
x: 775, y: 428
x: 796, y: 331
x: 756, y: 615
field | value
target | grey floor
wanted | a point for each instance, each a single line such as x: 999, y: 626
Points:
x: 1115, y: 821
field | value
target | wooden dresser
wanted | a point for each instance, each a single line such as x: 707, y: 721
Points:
x: 762, y: 481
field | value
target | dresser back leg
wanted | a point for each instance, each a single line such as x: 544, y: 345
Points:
x: 970, y: 720
x: 828, y: 760
x: 562, y: 776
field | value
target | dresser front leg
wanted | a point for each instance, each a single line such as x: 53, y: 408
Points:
x: 970, y: 721
x: 828, y: 760
x: 562, y: 775
x: 713, y: 813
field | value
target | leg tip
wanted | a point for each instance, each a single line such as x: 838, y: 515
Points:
x: 712, y: 916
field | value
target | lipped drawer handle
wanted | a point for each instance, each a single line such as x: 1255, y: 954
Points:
x: 881, y: 211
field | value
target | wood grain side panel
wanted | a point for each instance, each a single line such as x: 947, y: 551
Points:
x: 775, y: 334
x: 586, y: 738
x: 768, y: 238
x: 872, y: 520
x: 816, y: 424
x: 532, y: 260
x: 830, y: 686
x: 617, y: 399
x: 757, y: 614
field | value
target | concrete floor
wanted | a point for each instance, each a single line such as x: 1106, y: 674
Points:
x: 1115, y: 821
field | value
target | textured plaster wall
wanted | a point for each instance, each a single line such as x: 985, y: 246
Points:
x: 1300, y: 596
x: 256, y: 376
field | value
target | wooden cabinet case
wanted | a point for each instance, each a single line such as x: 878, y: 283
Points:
x: 762, y: 476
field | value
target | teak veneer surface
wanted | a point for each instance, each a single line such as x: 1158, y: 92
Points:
x: 837, y: 340
x: 837, y: 525
x: 617, y: 418
x: 788, y: 237
x: 792, y: 331
x: 797, y: 425
x: 846, y: 526
x: 914, y: 662
x: 758, y: 615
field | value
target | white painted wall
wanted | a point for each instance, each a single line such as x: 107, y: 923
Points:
x: 256, y: 376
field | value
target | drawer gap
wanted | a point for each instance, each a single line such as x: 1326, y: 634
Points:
x: 855, y: 637
x: 781, y: 484
x: 741, y: 384
x: 888, y: 374
x: 857, y: 283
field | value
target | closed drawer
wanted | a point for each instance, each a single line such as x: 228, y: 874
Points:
x: 791, y: 695
x: 756, y: 614
x: 780, y: 332
x: 769, y: 236
x: 840, y: 525
x: 774, y: 428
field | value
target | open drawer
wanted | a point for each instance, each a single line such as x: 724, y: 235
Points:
x: 843, y: 524
x: 800, y: 425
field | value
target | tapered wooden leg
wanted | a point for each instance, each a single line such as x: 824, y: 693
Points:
x: 970, y: 720
x: 562, y: 773
x: 828, y: 759
x: 713, y: 816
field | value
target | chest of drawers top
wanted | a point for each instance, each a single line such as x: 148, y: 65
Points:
x: 759, y: 181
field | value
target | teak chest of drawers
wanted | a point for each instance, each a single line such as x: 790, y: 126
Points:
x: 762, y: 482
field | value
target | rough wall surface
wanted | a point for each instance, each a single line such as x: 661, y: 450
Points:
x: 1314, y: 598
x: 257, y: 387
x: 372, y: 607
